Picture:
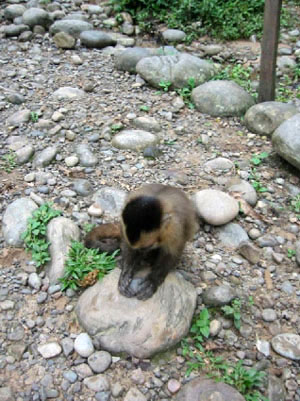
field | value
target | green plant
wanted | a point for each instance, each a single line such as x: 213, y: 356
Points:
x: 246, y: 381
x: 34, y: 116
x: 255, y: 181
x: 239, y: 74
x: 144, y: 108
x: 229, y: 19
x: 295, y: 204
x: 234, y: 311
x: 257, y: 159
x: 87, y: 227
x: 186, y: 92
x: 35, y: 235
x: 165, y: 85
x: 291, y: 253
x: 114, y: 128
x: 200, y: 327
x: 170, y: 142
x: 82, y: 261
x: 8, y: 162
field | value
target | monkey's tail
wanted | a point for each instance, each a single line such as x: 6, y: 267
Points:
x: 106, y: 237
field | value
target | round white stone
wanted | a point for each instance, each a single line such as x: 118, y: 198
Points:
x: 83, y: 345
x: 49, y: 350
x: 216, y: 207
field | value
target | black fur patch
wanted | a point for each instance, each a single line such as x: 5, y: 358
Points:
x: 143, y: 213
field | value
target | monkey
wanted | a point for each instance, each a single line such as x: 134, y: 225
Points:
x: 156, y: 222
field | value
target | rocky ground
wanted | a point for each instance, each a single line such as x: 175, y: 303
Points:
x: 77, y: 134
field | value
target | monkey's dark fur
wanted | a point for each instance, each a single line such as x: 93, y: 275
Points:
x: 156, y: 222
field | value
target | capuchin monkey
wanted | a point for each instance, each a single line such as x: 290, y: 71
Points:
x: 156, y: 222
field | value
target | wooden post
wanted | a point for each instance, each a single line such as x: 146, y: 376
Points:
x: 269, y: 50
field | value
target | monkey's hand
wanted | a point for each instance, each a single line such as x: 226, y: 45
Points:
x: 125, y: 280
x: 146, y: 289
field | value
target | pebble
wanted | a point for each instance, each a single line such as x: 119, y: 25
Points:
x: 34, y: 281
x: 70, y: 376
x: 83, y: 345
x: 218, y: 295
x: 173, y: 386
x: 99, y: 361
x: 49, y: 350
x: 97, y: 383
x: 71, y: 161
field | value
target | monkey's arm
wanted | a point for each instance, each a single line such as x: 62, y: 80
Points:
x: 131, y: 262
x: 160, y: 269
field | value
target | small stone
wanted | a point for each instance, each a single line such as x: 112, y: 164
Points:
x: 34, y: 281
x: 71, y: 161
x: 95, y: 210
x: 82, y: 187
x: 83, y: 345
x: 173, y: 386
x: 49, y: 350
x: 134, y: 395
x: 218, y: 295
x: 67, y: 346
x: 64, y: 41
x: 249, y: 251
x: 97, y: 383
x: 70, y: 376
x: 19, y: 118
x: 137, y: 376
x: 215, y: 327
x: 263, y: 347
x: 7, y: 305
x: 99, y: 361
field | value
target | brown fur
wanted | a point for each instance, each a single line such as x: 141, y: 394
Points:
x: 105, y: 237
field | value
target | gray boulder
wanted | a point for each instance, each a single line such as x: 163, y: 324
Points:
x: 36, y: 16
x: 60, y: 232
x: 15, y: 30
x: 232, y: 235
x: 15, y: 219
x: 176, y: 69
x: 287, y: 345
x: 218, y: 295
x: 67, y: 92
x: 64, y: 40
x: 13, y: 11
x: 221, y: 98
x: 215, y: 207
x: 173, y: 35
x: 134, y: 139
x: 96, y: 39
x: 286, y: 140
x: 140, y: 328
x: 45, y: 157
x: 128, y: 59
x: 18, y: 118
x: 245, y: 189
x: 72, y: 27
x: 264, y: 118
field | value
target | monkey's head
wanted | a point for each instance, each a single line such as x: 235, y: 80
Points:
x: 143, y: 219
